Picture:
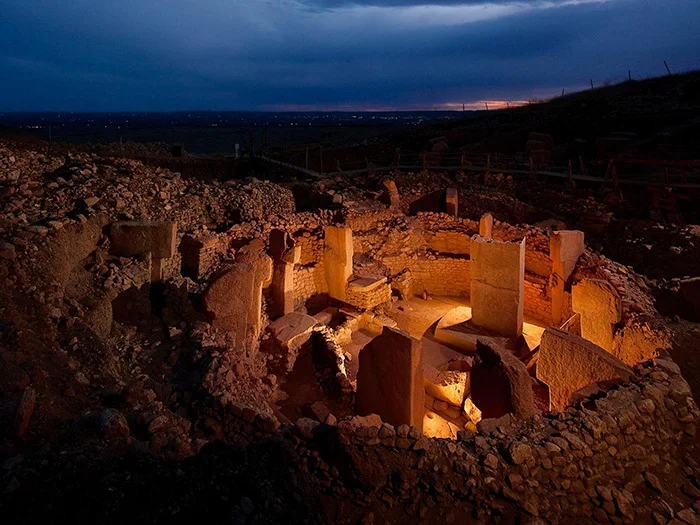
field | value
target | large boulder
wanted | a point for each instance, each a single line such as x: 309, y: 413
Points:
x: 228, y: 298
x: 500, y: 383
x: 450, y: 386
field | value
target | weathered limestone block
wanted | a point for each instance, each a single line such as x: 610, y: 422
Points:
x: 450, y: 385
x: 285, y: 254
x: 262, y: 275
x: 600, y: 307
x: 436, y: 426
x: 452, y: 202
x: 568, y: 363
x: 128, y: 238
x: 472, y: 411
x: 390, y: 378
x: 565, y: 248
x: 497, y: 285
x: 292, y: 330
x: 486, y: 226
x: 338, y: 260
x: 391, y: 194
x: 500, y: 383
x: 228, y: 299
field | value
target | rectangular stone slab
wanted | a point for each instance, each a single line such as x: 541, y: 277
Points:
x: 568, y: 363
x: 338, y: 260
x: 565, y: 247
x: 498, y: 285
x: 486, y: 225
x: 390, y: 378
x: 600, y: 307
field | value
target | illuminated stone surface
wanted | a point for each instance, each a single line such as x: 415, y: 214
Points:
x: 338, y: 260
x: 450, y: 385
x: 262, y: 275
x: 565, y: 248
x: 497, y: 286
x: 285, y: 254
x: 568, y: 363
x: 452, y: 202
x: 486, y: 226
x: 600, y: 308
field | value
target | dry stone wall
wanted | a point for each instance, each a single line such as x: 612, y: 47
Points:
x: 538, y: 302
x: 309, y: 273
x: 582, y: 464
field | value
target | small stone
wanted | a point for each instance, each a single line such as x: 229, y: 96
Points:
x: 89, y: 202
x: 519, y: 453
x: 113, y: 424
x: 491, y: 461
x: 689, y: 516
x: 7, y: 251
x: 653, y: 481
x: 305, y: 427
x: 691, y: 490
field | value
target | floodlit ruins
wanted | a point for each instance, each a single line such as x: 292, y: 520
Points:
x: 442, y: 362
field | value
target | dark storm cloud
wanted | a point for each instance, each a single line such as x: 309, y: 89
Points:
x: 248, y: 54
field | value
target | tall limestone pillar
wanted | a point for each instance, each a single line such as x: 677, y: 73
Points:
x: 338, y: 260
x: 565, y: 247
x: 390, y: 379
x: 498, y: 285
x: 285, y: 254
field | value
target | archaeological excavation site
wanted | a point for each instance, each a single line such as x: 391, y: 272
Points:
x: 459, y: 342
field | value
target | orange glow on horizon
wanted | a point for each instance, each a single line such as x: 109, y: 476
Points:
x: 445, y: 106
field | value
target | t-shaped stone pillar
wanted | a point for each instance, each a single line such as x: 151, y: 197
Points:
x: 498, y: 285
x: 451, y: 202
x: 338, y: 260
x: 285, y: 254
x: 391, y: 194
x: 486, y: 226
x: 261, y: 265
x: 565, y: 247
x: 130, y: 238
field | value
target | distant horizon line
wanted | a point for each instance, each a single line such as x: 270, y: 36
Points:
x: 447, y: 107
x: 163, y: 112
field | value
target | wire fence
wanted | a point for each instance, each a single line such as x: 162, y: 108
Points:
x: 635, y: 72
x: 612, y: 172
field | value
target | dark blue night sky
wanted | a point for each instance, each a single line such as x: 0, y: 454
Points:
x: 159, y: 55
